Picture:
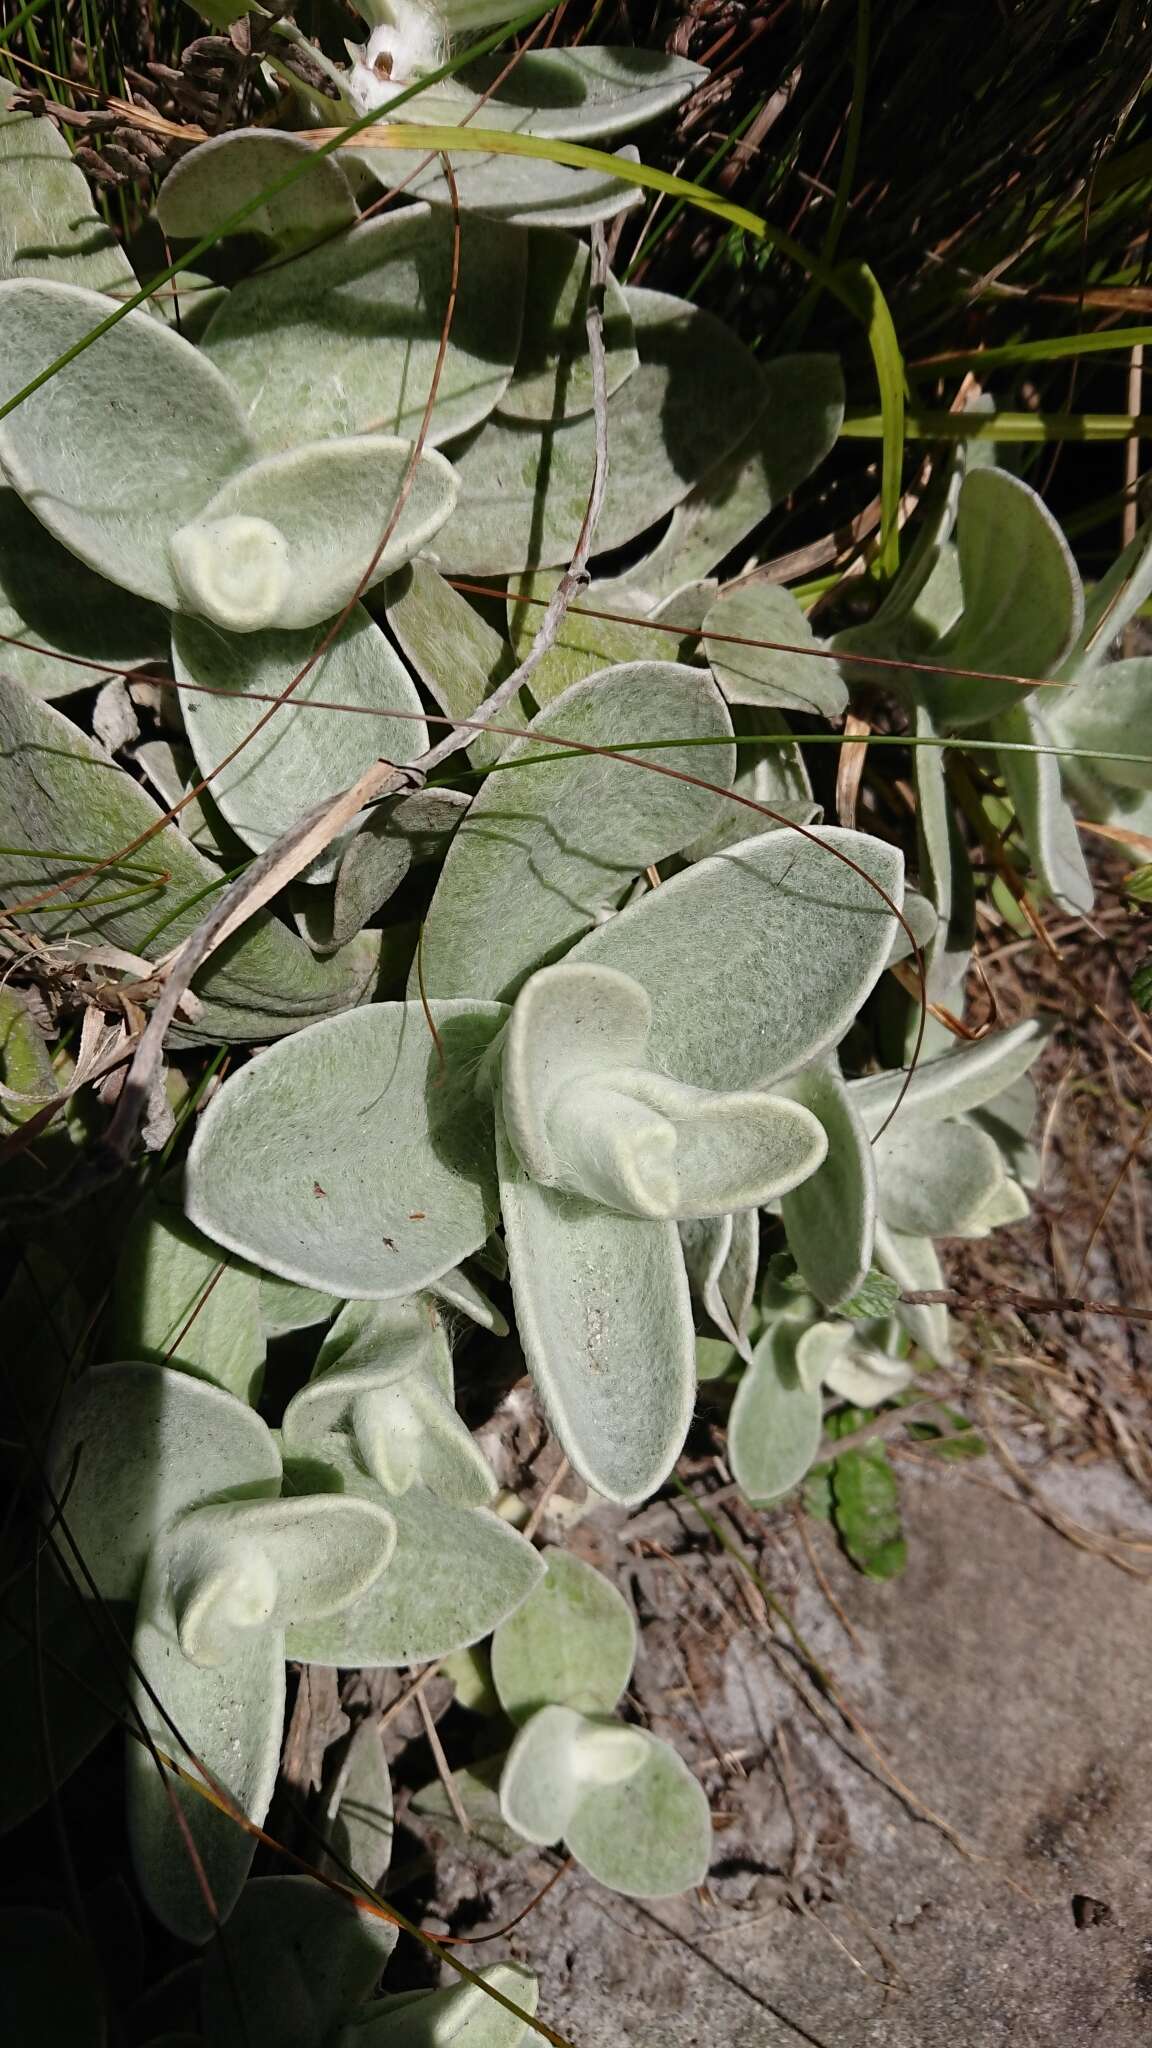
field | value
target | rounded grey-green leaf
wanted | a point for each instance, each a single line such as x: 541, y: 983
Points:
x: 950, y: 1086
x: 937, y: 1188
x: 793, y: 675
x: 584, y: 645
x: 296, y: 1961
x: 288, y: 541
x: 1047, y: 823
x: 123, y: 445
x: 239, y: 1565
x: 300, y: 756
x: 564, y: 839
x: 572, y: 1643
x: 359, y: 1817
x: 345, y: 339
x: 604, y: 1316
x: 232, y: 1718
x: 721, y: 1255
x: 587, y: 94
x: 1110, y: 708
x: 178, y: 1300
x: 262, y: 982
x: 1023, y: 602
x: 140, y: 1444
x: 650, y: 1835
x: 456, y: 1573
x: 459, y: 2016
x: 797, y: 426
x: 456, y: 654
x: 49, y: 227
x: 214, y: 181
x: 100, y: 628
x: 285, y: 1307
x: 758, y: 958
x: 830, y: 1219
x: 776, y: 1420
x: 913, y: 1261
x: 552, y: 380
x: 355, y: 1156
x: 523, y: 191
x: 523, y: 497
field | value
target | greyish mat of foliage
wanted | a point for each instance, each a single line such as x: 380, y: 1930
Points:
x: 571, y: 1018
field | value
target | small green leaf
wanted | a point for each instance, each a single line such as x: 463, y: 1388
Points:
x: 1141, y: 985
x: 866, y: 1504
x: 877, y: 1297
x: 1139, y: 883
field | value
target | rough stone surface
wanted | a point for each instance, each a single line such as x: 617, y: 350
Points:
x: 1007, y: 1678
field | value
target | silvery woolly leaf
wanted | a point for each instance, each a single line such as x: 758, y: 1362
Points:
x: 564, y: 839
x: 945, y: 869
x: 921, y: 923
x: 288, y: 541
x: 523, y: 498
x: 125, y: 444
x: 604, y: 1316
x: 214, y: 181
x: 775, y: 1425
x: 773, y: 782
x: 49, y: 227
x: 572, y: 1643
x: 478, y: 1787
x: 914, y: 1263
x: 760, y: 957
x: 300, y: 756
x: 1023, y: 604
x: 1046, y: 821
x: 259, y: 1565
x: 285, y: 1307
x: 784, y: 676
x: 385, y: 1335
x: 296, y: 1961
x: 458, y: 1290
x: 60, y: 791
x: 552, y: 380
x: 100, y: 627
x: 361, y: 1162
x: 400, y: 1427
x: 865, y: 1374
x: 460, y: 2014
x: 345, y: 339
x: 630, y: 1809
x: 586, y: 1111
x: 830, y: 1219
x: 800, y: 417
x: 720, y: 1253
x: 589, y: 94
x: 375, y: 859
x: 457, y: 655
x: 231, y: 1717
x: 137, y: 1445
x: 936, y: 1189
x: 948, y: 1087
x: 523, y: 191
x: 359, y: 1820
x: 1109, y: 606
x: 584, y: 645
x: 179, y: 1301
x: 455, y: 1574
x: 1109, y: 708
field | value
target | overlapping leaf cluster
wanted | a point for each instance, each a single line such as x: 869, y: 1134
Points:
x: 630, y: 1017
